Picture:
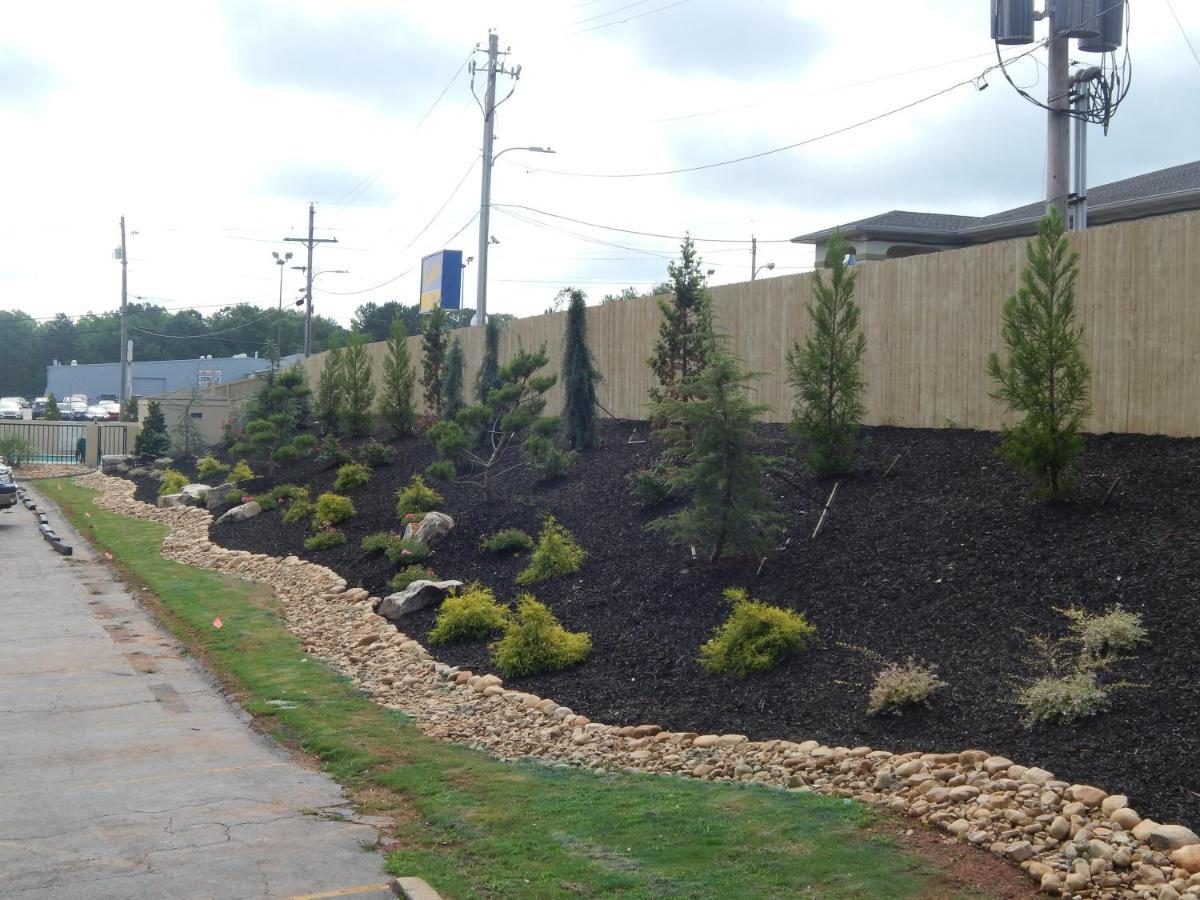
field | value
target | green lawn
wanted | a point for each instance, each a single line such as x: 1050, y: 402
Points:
x: 475, y: 827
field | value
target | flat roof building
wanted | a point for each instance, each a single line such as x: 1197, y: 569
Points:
x: 152, y: 378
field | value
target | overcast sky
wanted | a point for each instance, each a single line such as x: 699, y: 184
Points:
x: 211, y: 125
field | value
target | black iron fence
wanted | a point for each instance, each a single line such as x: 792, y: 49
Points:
x: 46, y: 442
x: 114, y: 439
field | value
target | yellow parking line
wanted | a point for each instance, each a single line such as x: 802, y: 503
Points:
x: 346, y: 892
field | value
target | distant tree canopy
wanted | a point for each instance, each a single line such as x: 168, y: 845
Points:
x: 374, y: 320
x: 30, y: 345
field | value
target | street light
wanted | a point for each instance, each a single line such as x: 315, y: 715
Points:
x: 304, y: 294
x: 280, y: 261
x: 485, y: 214
x: 769, y: 266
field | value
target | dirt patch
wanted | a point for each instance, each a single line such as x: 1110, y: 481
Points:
x: 946, y: 560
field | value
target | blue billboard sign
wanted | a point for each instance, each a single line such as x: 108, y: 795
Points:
x: 441, y: 280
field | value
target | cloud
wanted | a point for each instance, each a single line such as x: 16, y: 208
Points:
x: 372, y: 57
x: 327, y: 183
x: 24, y: 81
x: 734, y: 40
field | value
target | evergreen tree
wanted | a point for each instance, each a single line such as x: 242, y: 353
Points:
x: 131, y: 409
x: 683, y: 344
x: 51, y: 412
x: 710, y: 434
x: 433, y: 359
x: 488, y: 378
x: 273, y: 414
x: 512, y: 409
x: 396, y: 402
x: 1045, y: 377
x: 826, y: 370
x: 452, y: 381
x: 152, y: 439
x: 329, y: 391
x: 358, y: 388
x: 579, y: 378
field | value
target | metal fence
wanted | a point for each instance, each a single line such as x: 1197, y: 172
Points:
x: 114, y: 439
x: 46, y: 442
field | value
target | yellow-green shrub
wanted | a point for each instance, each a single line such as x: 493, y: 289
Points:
x: 472, y: 615
x: 409, y: 574
x: 331, y: 509
x: 351, y: 476
x: 173, y: 482
x: 417, y: 497
x: 240, y: 472
x: 298, y: 509
x: 535, y: 642
x: 755, y: 637
x: 557, y: 553
x: 324, y: 539
x: 208, y: 467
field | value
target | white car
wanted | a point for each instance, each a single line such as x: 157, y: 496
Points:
x: 96, y: 414
x: 10, y: 409
x: 113, y: 407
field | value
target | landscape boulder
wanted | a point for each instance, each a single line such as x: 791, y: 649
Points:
x: 241, y: 513
x: 170, y: 501
x: 114, y: 463
x: 216, y: 496
x: 431, y: 530
x: 162, y: 462
x: 196, y: 493
x: 417, y: 595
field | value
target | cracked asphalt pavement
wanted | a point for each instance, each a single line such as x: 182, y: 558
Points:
x: 124, y: 771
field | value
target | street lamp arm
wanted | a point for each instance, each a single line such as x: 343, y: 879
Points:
x: 496, y: 156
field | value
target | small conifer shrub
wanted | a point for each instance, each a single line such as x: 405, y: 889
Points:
x: 756, y: 637
x: 417, y: 497
x: 472, y: 615
x: 325, y: 539
x: 897, y: 686
x: 240, y: 472
x: 351, y: 476
x: 509, y: 540
x: 173, y: 482
x: 403, y: 552
x: 208, y: 467
x: 557, y: 553
x: 537, y: 642
x: 409, y: 574
x: 332, y: 509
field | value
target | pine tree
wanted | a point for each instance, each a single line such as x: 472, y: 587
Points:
x: 452, y: 381
x: 329, y: 391
x: 1045, y: 377
x: 682, y: 347
x: 488, y: 378
x: 826, y: 370
x: 579, y: 378
x: 51, y: 413
x: 152, y: 439
x: 433, y: 359
x: 358, y: 389
x: 710, y: 434
x: 396, y: 403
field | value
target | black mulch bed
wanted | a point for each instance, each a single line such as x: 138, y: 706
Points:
x: 948, y: 561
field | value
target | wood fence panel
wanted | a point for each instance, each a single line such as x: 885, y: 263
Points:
x: 930, y: 322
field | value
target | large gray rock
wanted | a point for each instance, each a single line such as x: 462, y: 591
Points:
x: 216, y: 496
x: 241, y: 513
x: 162, y: 462
x: 196, y: 493
x: 115, y: 462
x: 431, y: 530
x: 170, y: 501
x: 417, y: 595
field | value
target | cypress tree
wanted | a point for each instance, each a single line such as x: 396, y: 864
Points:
x: 683, y: 345
x: 826, y: 370
x: 488, y: 378
x: 579, y: 378
x: 452, y: 381
x: 153, y: 439
x: 1045, y: 376
x: 51, y: 413
x: 709, y: 433
x: 433, y: 359
x: 358, y: 389
x: 396, y: 402
x: 329, y: 391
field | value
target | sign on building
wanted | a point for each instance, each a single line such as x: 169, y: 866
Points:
x: 208, y: 376
x: 441, y: 280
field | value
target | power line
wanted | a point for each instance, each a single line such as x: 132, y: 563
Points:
x: 1183, y: 32
x: 648, y: 12
x: 605, y: 15
x: 211, y: 334
x: 672, y: 237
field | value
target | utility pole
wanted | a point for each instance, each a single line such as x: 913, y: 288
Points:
x: 1058, y: 122
x: 753, y: 257
x: 122, y: 394
x: 485, y: 194
x: 310, y: 241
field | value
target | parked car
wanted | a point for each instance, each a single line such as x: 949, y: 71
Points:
x: 113, y: 407
x: 95, y: 413
x: 77, y: 410
x: 39, y: 407
x: 9, y: 409
x: 8, y: 488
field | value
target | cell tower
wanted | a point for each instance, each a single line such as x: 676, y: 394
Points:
x: 1091, y: 94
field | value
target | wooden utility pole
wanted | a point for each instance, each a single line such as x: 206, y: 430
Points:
x: 310, y: 241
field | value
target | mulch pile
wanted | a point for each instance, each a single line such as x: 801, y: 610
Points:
x: 947, y: 560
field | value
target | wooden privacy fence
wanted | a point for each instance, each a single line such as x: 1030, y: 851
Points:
x: 930, y: 322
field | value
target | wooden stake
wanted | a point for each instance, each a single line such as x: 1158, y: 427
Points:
x: 1108, y: 493
x: 828, y: 503
x: 893, y: 465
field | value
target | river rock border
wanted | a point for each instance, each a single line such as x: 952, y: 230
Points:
x: 1075, y: 840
